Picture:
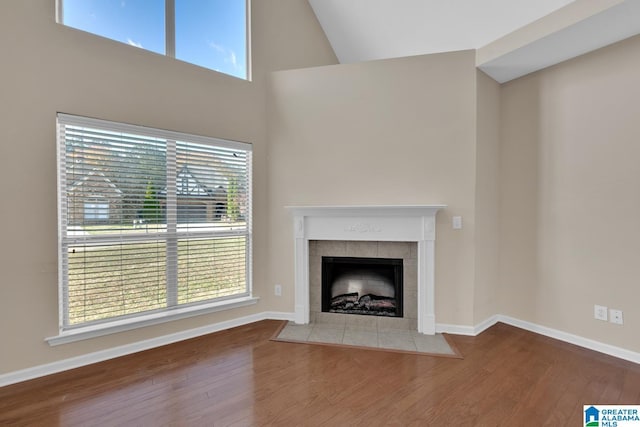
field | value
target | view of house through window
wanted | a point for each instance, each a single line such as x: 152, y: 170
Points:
x: 149, y: 219
x: 208, y: 33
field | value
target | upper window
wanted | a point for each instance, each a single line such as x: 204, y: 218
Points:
x: 208, y: 33
x: 149, y: 221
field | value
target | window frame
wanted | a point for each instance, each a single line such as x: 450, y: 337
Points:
x: 170, y: 35
x: 172, y: 310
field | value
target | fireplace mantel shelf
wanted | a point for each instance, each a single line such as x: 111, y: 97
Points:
x: 368, y: 210
x: 403, y: 223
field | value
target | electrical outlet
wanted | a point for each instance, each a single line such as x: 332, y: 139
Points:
x: 615, y: 316
x: 278, y: 290
x: 600, y: 312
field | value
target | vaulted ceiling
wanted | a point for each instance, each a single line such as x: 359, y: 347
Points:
x: 543, y: 32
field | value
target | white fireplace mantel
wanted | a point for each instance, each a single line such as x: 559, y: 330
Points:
x: 415, y: 223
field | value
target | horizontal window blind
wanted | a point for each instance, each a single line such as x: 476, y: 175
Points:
x: 149, y: 220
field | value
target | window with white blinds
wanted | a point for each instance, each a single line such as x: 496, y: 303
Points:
x: 149, y: 220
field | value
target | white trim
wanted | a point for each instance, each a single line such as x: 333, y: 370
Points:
x: 455, y: 329
x: 587, y: 343
x: 279, y: 315
x: 70, y: 119
x: 128, y: 324
x: 471, y: 331
x: 590, y: 344
x: 100, y: 356
x: 366, y: 210
x: 123, y: 350
x: 486, y: 324
x: 401, y: 223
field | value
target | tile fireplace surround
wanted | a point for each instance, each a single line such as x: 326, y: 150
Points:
x: 415, y: 223
x: 407, y: 251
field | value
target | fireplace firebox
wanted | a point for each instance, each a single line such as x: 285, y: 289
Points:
x: 365, y: 286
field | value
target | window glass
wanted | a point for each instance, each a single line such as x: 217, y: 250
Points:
x: 212, y: 34
x: 208, y: 33
x: 139, y: 23
x: 149, y: 220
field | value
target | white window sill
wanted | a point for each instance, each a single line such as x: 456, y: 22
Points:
x: 101, y: 329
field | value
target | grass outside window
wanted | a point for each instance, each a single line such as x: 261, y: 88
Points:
x: 123, y: 279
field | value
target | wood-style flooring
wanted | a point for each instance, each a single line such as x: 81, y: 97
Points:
x: 508, y: 377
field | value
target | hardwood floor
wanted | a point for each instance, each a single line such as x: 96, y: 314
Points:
x: 238, y: 377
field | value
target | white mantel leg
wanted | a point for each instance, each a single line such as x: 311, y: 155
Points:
x: 426, y: 285
x: 301, y: 248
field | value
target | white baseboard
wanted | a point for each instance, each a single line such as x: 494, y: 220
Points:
x: 455, y: 329
x: 99, y: 356
x: 486, y: 324
x: 279, y: 315
x: 611, y: 350
x: 111, y: 353
x: 467, y: 330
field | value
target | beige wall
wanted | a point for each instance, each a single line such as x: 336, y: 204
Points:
x: 535, y: 167
x: 548, y: 160
x: 487, y: 199
x: 398, y: 131
x: 570, y: 234
x: 48, y: 68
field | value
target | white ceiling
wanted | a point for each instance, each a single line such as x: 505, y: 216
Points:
x: 612, y: 24
x: 364, y: 30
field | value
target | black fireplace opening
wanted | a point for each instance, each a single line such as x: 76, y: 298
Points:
x: 366, y: 286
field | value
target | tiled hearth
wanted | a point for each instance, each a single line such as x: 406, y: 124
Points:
x: 407, y: 251
x: 370, y: 336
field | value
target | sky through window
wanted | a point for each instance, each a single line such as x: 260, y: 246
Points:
x: 209, y: 33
